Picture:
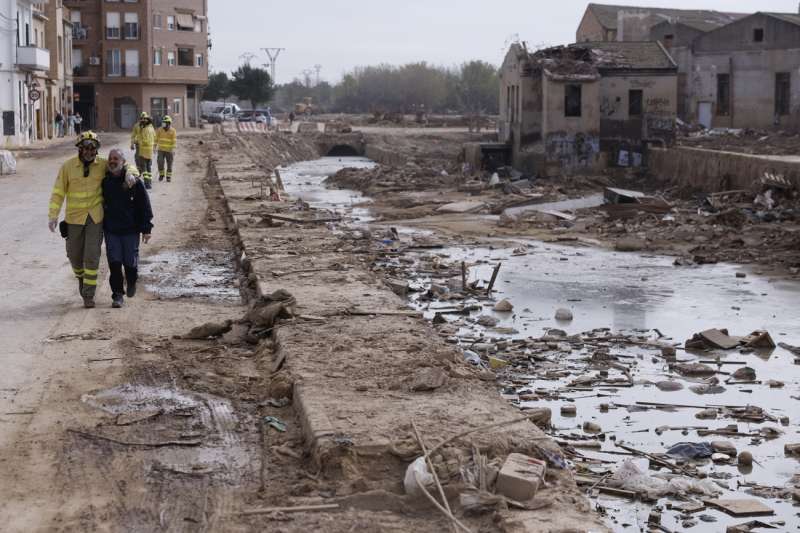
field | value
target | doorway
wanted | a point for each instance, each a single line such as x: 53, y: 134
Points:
x: 704, y: 114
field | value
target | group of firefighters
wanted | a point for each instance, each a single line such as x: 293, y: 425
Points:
x: 106, y: 198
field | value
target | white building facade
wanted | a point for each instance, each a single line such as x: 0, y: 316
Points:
x: 24, y: 62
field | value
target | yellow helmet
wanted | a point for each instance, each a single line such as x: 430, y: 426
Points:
x: 143, y: 114
x: 167, y: 119
x: 88, y: 136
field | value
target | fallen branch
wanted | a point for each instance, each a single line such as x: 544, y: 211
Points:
x: 304, y: 220
x: 433, y: 472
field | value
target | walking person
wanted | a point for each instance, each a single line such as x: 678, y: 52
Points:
x: 77, y: 120
x: 70, y: 123
x: 143, y: 138
x: 128, y: 218
x: 166, y: 139
x: 59, y: 124
x: 79, y: 182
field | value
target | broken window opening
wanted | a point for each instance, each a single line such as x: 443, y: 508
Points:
x: 668, y: 40
x: 783, y: 92
x: 635, y: 98
x: 723, y: 94
x: 186, y: 57
x: 572, y: 100
x: 758, y: 35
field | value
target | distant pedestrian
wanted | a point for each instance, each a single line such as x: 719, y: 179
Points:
x: 59, y: 124
x: 70, y: 125
x: 78, y: 121
x: 291, y: 119
x: 128, y: 218
x: 143, y: 139
x: 166, y: 139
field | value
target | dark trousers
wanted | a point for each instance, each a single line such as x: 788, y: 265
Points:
x: 122, y: 252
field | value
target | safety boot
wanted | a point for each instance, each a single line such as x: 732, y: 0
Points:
x: 131, y: 289
x: 117, y: 300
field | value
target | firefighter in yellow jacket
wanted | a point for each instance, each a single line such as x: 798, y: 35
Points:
x: 143, y: 139
x: 166, y: 138
x: 79, y: 182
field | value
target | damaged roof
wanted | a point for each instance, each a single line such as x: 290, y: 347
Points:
x: 586, y: 61
x: 792, y: 18
x: 701, y: 19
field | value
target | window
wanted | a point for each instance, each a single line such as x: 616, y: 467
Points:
x: 572, y: 100
x: 158, y: 56
x: 114, y: 62
x: 77, y: 57
x: 112, y: 25
x: 177, y: 103
x: 198, y: 25
x: 132, y: 63
x: 171, y: 59
x: 131, y: 25
x: 783, y: 93
x: 723, y: 94
x: 186, y: 57
x: 758, y: 35
x: 668, y: 40
x: 157, y: 21
x: 635, y: 97
x: 199, y: 60
x: 170, y: 23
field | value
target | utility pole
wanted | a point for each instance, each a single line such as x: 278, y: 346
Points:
x: 317, y: 68
x: 247, y: 57
x: 307, y: 77
x: 272, y: 54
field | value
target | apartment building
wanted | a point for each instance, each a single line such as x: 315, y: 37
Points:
x: 130, y: 56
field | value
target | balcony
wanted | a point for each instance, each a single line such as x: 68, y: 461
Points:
x: 79, y: 33
x: 33, y: 58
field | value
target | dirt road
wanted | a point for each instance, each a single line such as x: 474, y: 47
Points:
x: 60, y: 469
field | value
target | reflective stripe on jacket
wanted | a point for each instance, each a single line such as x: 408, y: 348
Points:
x: 84, y: 195
x: 166, y: 139
x: 145, y: 139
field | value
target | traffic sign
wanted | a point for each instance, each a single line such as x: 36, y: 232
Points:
x: 34, y: 95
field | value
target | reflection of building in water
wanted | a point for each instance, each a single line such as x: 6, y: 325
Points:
x: 629, y: 307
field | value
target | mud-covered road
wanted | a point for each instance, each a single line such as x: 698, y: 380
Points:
x: 88, y: 397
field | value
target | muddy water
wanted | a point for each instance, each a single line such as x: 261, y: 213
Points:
x: 305, y: 180
x: 634, y: 294
x: 631, y: 293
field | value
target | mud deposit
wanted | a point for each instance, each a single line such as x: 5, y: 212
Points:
x: 191, y: 273
x: 606, y: 361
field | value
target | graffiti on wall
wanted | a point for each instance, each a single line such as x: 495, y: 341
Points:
x: 573, y: 149
x: 658, y: 105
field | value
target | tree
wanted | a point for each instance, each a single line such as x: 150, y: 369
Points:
x: 219, y: 87
x: 479, y: 88
x: 252, y: 84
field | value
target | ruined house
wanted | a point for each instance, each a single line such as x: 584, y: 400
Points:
x: 747, y: 74
x: 603, y: 22
x: 582, y: 106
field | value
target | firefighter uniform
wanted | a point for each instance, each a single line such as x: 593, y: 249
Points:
x: 144, y: 137
x: 80, y: 184
x: 166, y: 139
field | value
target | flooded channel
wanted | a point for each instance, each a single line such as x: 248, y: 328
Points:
x: 634, y: 296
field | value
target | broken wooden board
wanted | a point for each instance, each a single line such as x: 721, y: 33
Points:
x: 741, y: 507
x: 467, y: 206
x: 713, y: 338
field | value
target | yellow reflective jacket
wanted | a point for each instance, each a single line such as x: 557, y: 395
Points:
x: 166, y: 139
x: 144, y: 138
x: 84, y: 194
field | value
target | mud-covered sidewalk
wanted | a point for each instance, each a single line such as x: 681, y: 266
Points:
x: 361, y: 370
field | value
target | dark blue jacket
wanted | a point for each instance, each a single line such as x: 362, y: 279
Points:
x: 127, y: 211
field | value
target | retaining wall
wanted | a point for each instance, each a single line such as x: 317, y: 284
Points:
x: 714, y: 171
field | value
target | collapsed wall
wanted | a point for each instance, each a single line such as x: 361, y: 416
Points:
x: 715, y: 171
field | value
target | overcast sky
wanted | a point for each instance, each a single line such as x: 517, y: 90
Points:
x: 342, y: 34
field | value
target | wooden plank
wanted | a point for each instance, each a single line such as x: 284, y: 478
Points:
x: 741, y: 507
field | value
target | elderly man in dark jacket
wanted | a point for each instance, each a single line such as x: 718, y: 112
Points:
x: 128, y: 216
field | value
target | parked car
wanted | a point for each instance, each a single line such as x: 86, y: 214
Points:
x: 258, y: 115
x: 223, y: 112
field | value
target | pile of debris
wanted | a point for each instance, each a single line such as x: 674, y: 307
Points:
x: 746, y: 141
